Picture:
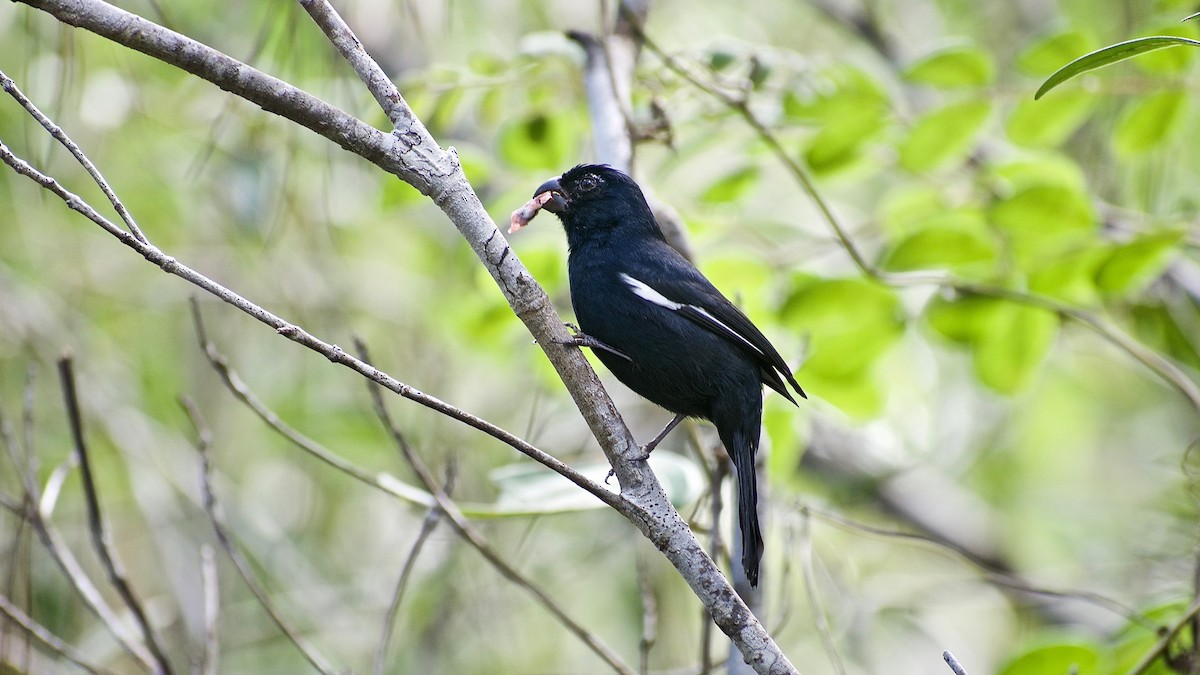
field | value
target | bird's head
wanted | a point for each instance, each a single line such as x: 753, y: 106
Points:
x: 593, y: 200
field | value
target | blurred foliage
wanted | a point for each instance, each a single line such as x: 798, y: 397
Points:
x: 929, y: 145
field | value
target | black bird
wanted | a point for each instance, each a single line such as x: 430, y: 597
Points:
x: 661, y: 327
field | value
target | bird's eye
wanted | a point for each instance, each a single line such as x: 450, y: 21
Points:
x: 587, y: 183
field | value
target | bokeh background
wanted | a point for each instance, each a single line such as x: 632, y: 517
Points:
x: 976, y: 470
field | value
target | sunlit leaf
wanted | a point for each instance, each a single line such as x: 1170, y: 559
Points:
x: 1047, y: 55
x: 1042, y: 219
x: 840, y: 139
x: 858, y: 395
x: 542, y: 141
x: 731, y: 186
x: 1014, y: 343
x: 1129, y: 267
x: 1169, y: 61
x: 1148, y: 121
x: 943, y: 135
x: 1070, y: 277
x: 839, y: 90
x: 955, y: 248
x: 1048, y: 123
x: 1056, y: 659
x: 1110, y: 55
x: 961, y: 320
x: 908, y: 207
x: 959, y: 66
x: 849, y: 322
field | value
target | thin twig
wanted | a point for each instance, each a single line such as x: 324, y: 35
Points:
x: 476, y: 539
x: 953, y: 663
x: 213, y: 509
x: 382, y: 482
x: 649, y: 615
x: 1003, y: 579
x: 59, y: 135
x: 38, y: 513
x: 101, y: 537
x: 820, y: 620
x: 350, y: 47
x: 428, y: 524
x: 1168, y: 636
x: 52, y: 641
x: 210, y: 583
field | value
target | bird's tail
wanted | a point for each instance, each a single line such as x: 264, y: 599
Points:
x: 742, y: 448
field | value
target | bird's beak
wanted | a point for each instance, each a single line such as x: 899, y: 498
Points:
x: 557, y: 203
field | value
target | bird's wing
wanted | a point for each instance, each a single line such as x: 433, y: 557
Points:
x: 694, y: 298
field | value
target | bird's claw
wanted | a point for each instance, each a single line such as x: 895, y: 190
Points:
x: 579, y: 339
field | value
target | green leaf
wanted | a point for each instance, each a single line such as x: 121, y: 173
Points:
x: 1110, y: 55
x: 840, y: 139
x: 1014, y: 343
x: 908, y: 207
x: 1039, y: 169
x: 1008, y: 341
x: 540, y: 141
x: 1047, y: 55
x: 943, y: 135
x: 858, y: 395
x: 1048, y: 123
x: 842, y: 89
x: 1130, y: 267
x: 952, y: 67
x: 1070, y: 277
x: 720, y: 60
x: 849, y: 322
x: 962, y: 249
x: 1169, y: 61
x: 1148, y: 121
x: 1044, y: 219
x: 731, y: 186
x: 1056, y: 659
x: 961, y: 320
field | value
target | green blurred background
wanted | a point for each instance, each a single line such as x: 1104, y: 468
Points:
x: 988, y: 424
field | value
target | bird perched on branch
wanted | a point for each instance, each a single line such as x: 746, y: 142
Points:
x: 660, y: 326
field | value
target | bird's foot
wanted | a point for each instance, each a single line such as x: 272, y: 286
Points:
x: 579, y: 339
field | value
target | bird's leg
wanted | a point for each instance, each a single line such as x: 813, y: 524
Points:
x: 580, y: 339
x: 649, y: 447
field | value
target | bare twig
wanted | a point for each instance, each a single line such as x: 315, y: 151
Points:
x: 953, y: 663
x: 101, y: 538
x: 1000, y: 578
x: 59, y: 135
x: 380, y: 482
x: 43, y: 635
x: 820, y: 620
x: 210, y: 661
x: 428, y: 523
x: 37, y: 508
x: 213, y: 509
x: 348, y: 45
x: 1168, y: 636
x: 476, y: 539
x: 649, y: 616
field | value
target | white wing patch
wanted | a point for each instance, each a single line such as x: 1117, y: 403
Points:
x: 642, y: 290
x: 697, y: 314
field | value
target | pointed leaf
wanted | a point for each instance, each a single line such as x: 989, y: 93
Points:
x: 1110, y: 55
